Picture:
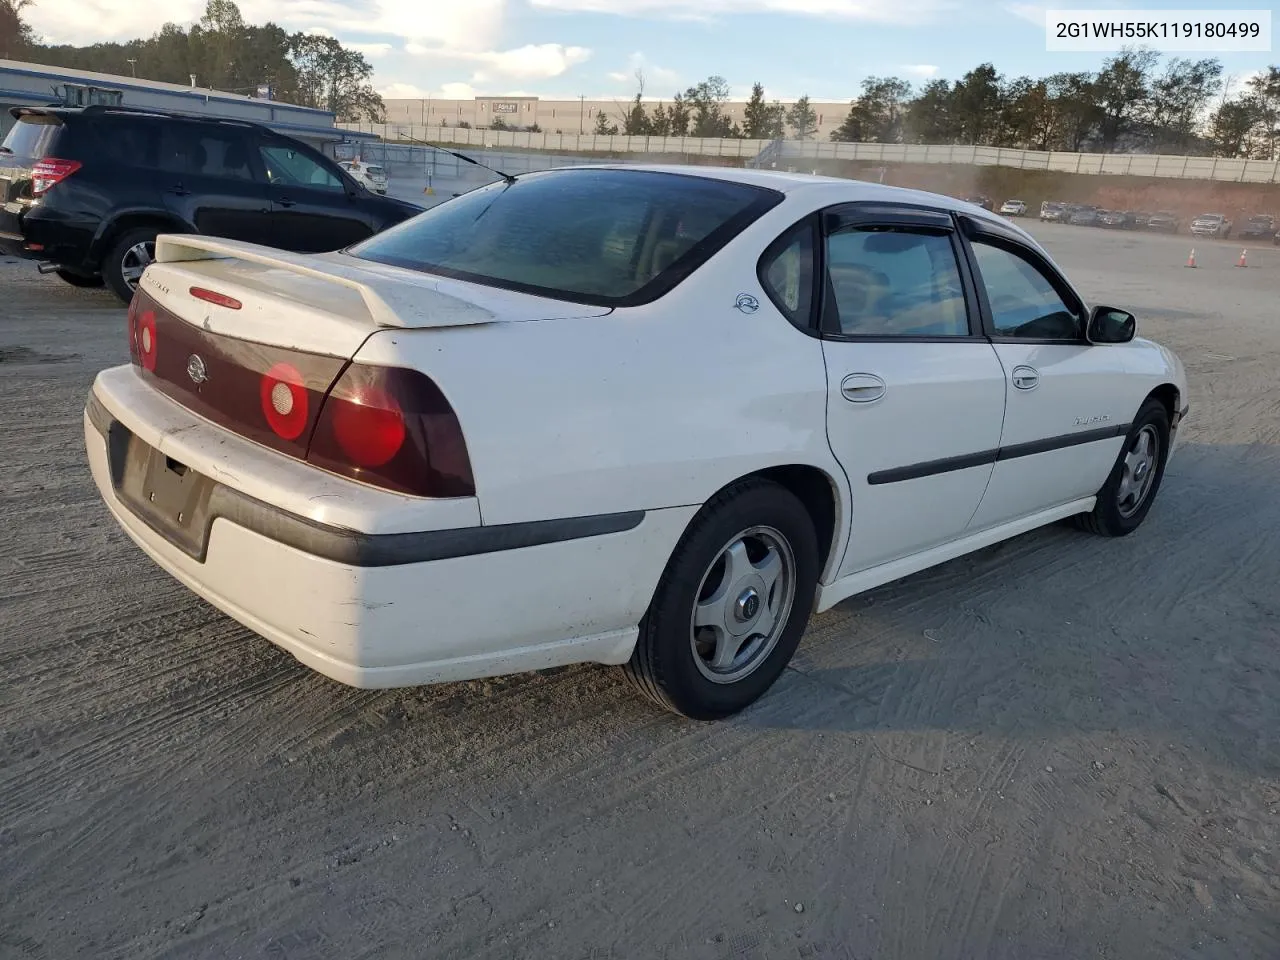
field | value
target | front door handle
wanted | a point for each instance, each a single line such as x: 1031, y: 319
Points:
x: 1025, y: 378
x: 862, y: 388
x: 285, y: 202
x: 180, y: 190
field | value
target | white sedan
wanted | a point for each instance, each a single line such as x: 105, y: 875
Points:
x: 646, y: 416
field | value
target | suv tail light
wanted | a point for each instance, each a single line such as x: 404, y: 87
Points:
x: 49, y: 172
x: 392, y: 428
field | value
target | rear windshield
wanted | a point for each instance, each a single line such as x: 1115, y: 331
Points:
x: 607, y: 237
x: 32, y: 137
x: 376, y: 171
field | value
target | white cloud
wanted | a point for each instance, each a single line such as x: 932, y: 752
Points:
x: 656, y: 79
x: 530, y: 62
x: 403, y: 91
x: 457, y: 91
x: 465, y: 24
x: 920, y: 69
x: 1035, y: 12
x: 370, y: 50
x: 875, y: 11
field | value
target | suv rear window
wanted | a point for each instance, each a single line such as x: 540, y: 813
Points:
x: 32, y: 136
x: 606, y: 237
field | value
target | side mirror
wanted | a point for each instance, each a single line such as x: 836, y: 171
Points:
x: 1111, y: 325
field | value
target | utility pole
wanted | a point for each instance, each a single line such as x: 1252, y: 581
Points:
x: 133, y: 65
x: 582, y: 107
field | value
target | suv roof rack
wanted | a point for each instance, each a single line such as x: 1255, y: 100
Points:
x: 101, y: 108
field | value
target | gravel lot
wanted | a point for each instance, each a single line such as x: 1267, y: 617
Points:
x: 1060, y: 747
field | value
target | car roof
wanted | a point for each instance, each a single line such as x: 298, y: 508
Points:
x: 841, y: 189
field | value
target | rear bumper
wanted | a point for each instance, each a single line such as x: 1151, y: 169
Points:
x: 399, y: 609
x: 26, y: 232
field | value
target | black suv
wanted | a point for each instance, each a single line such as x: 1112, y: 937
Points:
x: 86, y: 190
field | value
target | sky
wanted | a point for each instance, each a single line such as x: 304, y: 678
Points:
x: 563, y: 49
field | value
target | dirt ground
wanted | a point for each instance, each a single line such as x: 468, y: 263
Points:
x: 1060, y: 747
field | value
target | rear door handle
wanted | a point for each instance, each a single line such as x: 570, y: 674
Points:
x: 1025, y: 378
x: 285, y: 202
x: 180, y: 190
x: 862, y: 388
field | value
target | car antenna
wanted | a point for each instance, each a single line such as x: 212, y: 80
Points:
x: 510, y: 178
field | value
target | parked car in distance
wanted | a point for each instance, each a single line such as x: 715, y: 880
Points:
x: 370, y: 175
x: 1211, y: 225
x: 348, y: 481
x: 981, y: 201
x: 1138, y: 219
x: 1164, y: 222
x: 87, y: 190
x: 1013, y: 208
x: 1258, y: 227
x: 1114, y: 219
x: 1052, y: 210
x: 1083, y: 215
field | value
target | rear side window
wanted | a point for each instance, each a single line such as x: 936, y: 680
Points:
x: 32, y: 137
x: 607, y: 237
x: 201, y: 151
x: 895, y: 282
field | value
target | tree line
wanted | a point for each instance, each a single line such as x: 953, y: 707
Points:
x: 224, y: 53
x: 1133, y: 103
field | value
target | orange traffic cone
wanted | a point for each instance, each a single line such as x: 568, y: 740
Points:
x: 1191, y: 259
x: 1241, y: 262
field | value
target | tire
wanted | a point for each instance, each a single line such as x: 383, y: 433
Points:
x: 674, y: 662
x: 1121, y: 509
x: 122, y: 258
x: 79, y: 279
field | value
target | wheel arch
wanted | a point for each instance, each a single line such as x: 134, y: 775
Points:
x: 112, y: 229
x: 1169, y: 395
x: 822, y: 496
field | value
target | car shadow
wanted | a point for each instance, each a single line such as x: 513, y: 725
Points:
x: 1172, y: 628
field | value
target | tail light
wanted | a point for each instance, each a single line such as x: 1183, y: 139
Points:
x: 392, y: 428
x: 143, y: 345
x: 284, y: 401
x: 49, y: 172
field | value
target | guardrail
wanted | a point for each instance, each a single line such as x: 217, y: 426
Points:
x: 1122, y: 164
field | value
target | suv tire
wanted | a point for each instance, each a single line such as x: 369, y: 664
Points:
x: 124, y: 257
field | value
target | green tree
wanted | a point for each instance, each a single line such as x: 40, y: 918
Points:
x: 635, y: 122
x: 1235, y: 128
x: 1265, y: 92
x: 1178, y: 98
x: 976, y: 103
x: 660, y: 122
x: 878, y: 115
x: 802, y: 118
x: 1122, y: 89
x: 603, y: 127
x: 755, y: 118
x: 334, y: 78
x: 679, y: 116
x: 930, y: 116
x: 706, y: 102
x: 1074, y: 110
x: 16, y: 35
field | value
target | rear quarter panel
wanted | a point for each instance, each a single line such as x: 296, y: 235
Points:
x: 648, y: 407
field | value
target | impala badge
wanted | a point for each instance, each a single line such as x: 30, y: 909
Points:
x: 747, y: 303
x: 196, y: 370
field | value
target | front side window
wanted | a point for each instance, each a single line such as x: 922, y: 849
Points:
x: 894, y: 282
x: 290, y: 167
x: 1024, y: 303
x: 609, y: 237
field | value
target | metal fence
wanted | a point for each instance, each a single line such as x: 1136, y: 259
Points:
x: 769, y: 153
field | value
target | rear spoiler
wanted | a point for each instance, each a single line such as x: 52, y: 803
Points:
x: 389, y: 300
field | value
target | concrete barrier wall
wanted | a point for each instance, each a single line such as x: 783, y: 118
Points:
x: 796, y: 152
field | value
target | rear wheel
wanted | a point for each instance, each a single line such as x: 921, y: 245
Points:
x: 128, y: 257
x: 1126, y: 497
x: 79, y: 279
x: 731, y: 605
